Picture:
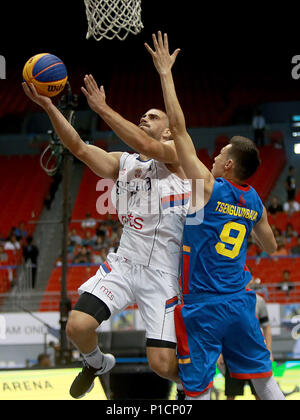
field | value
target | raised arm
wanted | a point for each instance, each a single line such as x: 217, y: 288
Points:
x: 163, y: 61
x: 105, y: 165
x: 128, y: 132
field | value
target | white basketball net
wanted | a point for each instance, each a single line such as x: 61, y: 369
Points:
x: 113, y: 18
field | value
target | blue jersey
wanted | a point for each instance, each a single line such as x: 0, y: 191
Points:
x: 214, y: 250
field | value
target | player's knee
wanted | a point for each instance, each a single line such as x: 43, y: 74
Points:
x: 79, y: 324
x: 162, y: 365
x: 72, y: 328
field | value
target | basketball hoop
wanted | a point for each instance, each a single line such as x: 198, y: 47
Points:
x: 113, y: 18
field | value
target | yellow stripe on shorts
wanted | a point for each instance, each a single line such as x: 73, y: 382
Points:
x: 184, y: 361
x: 186, y: 248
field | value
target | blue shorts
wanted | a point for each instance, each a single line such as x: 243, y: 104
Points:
x: 208, y: 325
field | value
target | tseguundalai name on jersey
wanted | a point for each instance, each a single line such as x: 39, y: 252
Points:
x: 233, y: 210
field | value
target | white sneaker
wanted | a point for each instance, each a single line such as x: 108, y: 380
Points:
x: 109, y: 362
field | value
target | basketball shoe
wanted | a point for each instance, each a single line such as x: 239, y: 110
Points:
x: 84, y: 381
x: 180, y: 393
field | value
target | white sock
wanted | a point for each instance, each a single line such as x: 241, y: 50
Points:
x: 267, y: 389
x: 179, y: 387
x: 203, y: 397
x: 94, y: 359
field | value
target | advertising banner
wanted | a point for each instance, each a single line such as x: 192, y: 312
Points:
x: 46, y: 384
x: 23, y: 328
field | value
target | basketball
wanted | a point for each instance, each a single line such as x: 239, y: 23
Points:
x: 47, y: 72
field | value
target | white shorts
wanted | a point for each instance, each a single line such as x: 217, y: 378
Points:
x: 119, y: 284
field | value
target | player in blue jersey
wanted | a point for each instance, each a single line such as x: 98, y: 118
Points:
x: 217, y: 313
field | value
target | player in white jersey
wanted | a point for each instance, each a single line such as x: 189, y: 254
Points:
x: 151, y: 195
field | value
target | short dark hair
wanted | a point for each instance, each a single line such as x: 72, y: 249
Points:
x: 245, y: 155
x: 42, y: 356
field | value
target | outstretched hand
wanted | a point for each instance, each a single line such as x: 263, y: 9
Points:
x: 95, y: 95
x: 162, y: 59
x: 32, y: 94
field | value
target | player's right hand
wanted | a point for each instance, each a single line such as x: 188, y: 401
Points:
x: 32, y: 94
x: 95, y: 96
x: 162, y: 59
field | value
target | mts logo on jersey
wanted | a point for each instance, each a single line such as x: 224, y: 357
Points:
x: 107, y: 292
x: 136, y: 223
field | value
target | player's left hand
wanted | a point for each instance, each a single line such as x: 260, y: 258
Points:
x: 162, y: 59
x: 95, y: 95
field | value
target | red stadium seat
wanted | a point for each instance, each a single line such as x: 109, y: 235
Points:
x: 23, y: 192
x: 273, y: 162
x: 76, y: 275
x: 205, y: 158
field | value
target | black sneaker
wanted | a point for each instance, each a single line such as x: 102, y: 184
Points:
x: 180, y: 395
x: 84, y: 381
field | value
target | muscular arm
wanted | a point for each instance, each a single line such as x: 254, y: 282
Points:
x: 128, y: 132
x: 99, y: 161
x: 192, y: 166
x: 263, y: 234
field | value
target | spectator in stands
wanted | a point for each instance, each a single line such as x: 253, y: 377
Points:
x: 110, y: 221
x: 275, y: 206
x: 291, y: 206
x: 101, y: 241
x: 116, y: 237
x: 101, y: 257
x: 277, y: 233
x: 3, y: 255
x: 88, y: 222
x: 281, y: 249
x: 70, y: 250
x: 75, y: 238
x: 97, y: 259
x: 104, y: 253
x: 290, y: 184
x: 20, y: 232
x: 257, y: 285
x: 295, y: 250
x: 258, y: 124
x: 289, y: 233
x: 83, y: 257
x: 103, y: 228
x: 88, y: 239
x: 285, y: 285
x: 31, y: 253
x: 12, y: 244
x: 43, y: 361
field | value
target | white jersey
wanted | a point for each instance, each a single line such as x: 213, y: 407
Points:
x: 152, y: 203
